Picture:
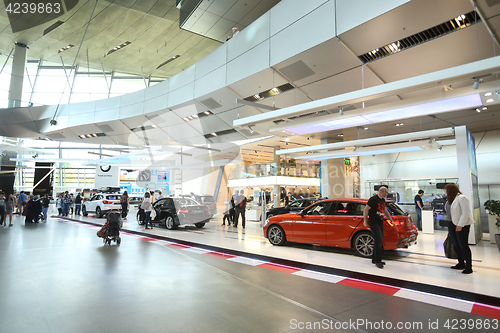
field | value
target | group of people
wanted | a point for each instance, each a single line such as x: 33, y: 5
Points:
x: 458, y: 210
x: 235, y: 208
x: 147, y: 206
x: 67, y: 203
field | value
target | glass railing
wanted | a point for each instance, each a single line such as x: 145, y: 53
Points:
x: 308, y: 170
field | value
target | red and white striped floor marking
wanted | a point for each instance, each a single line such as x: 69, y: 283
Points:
x: 414, y: 295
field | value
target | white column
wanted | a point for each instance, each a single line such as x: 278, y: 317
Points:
x: 16, y: 79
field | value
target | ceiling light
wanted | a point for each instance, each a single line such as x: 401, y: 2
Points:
x: 153, y: 125
x: 169, y: 60
x: 185, y: 119
x: 478, y: 110
x: 485, y: 108
x: 89, y: 136
x: 250, y: 129
x: 488, y: 94
x: 341, y: 111
x: 195, y: 116
x: 66, y: 48
x: 116, y: 48
x: 207, y: 112
x: 476, y: 84
x: 213, y: 134
x: 365, y: 128
x: 286, y: 138
x: 341, y: 135
x: 94, y: 135
x: 82, y: 136
x: 489, y: 100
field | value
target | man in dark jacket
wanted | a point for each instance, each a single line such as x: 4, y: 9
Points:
x: 241, y: 204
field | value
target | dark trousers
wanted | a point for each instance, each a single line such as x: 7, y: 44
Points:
x: 2, y: 214
x: 460, y: 240
x: 124, y: 209
x: 238, y: 212
x: 78, y: 208
x: 377, y: 229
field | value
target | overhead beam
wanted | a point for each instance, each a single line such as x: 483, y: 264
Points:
x: 438, y: 78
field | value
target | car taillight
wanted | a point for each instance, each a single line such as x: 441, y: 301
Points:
x: 182, y: 210
x: 396, y: 222
x: 107, y: 202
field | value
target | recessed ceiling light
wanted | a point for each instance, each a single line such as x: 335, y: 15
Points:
x: 478, y: 110
x: 286, y: 138
x: 341, y: 135
x: 213, y: 134
x: 207, y: 112
x: 153, y: 125
x: 485, y: 108
x: 488, y: 94
x: 365, y: 128
x: 489, y: 100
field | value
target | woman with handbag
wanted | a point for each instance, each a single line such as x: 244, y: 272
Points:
x: 459, y: 228
x: 146, y: 206
x: 124, y: 204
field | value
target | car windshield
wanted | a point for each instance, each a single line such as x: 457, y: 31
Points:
x: 208, y: 199
x: 184, y: 201
x: 295, y: 204
x: 114, y: 197
x: 394, y: 208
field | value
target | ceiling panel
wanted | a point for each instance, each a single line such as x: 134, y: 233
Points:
x: 181, y: 131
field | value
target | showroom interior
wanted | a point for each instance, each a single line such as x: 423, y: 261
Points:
x: 306, y: 100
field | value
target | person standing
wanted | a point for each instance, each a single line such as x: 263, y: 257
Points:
x: 241, y: 204
x: 233, y: 202
x: 146, y: 206
x: 22, y: 202
x: 45, y: 206
x: 78, y: 204
x: 9, y: 208
x: 2, y: 208
x: 373, y: 215
x: 419, y: 205
x: 288, y: 199
x: 124, y: 204
x: 459, y: 228
x: 59, y: 204
x: 159, y: 195
x: 67, y: 200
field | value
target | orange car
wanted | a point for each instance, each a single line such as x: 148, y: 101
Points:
x: 339, y: 222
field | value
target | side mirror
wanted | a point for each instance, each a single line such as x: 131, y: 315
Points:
x: 301, y: 213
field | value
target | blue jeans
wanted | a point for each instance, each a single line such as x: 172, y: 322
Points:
x: 78, y: 207
x: 148, y: 219
x: 66, y: 209
x: 377, y: 230
x: 44, y: 211
x: 419, y: 218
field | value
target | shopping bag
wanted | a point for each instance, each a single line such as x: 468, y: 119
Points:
x: 449, y: 250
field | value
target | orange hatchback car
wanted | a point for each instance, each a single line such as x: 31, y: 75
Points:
x: 339, y: 222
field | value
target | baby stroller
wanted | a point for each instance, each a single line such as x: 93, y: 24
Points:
x: 110, y: 231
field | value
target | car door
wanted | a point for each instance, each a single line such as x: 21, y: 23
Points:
x: 167, y: 208
x: 343, y: 220
x: 90, y: 205
x: 310, y: 226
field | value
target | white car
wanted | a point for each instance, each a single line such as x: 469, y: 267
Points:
x: 101, y: 204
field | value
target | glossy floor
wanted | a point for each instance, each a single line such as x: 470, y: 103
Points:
x: 423, y: 263
x: 59, y: 277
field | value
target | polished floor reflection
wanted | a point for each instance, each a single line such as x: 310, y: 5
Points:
x: 59, y: 277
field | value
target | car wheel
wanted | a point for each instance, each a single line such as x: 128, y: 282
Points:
x: 276, y: 235
x: 84, y: 211
x: 98, y: 212
x: 363, y: 244
x: 139, y: 221
x: 170, y: 223
x: 199, y: 225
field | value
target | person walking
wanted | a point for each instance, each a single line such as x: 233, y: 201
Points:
x: 233, y: 202
x: 78, y: 204
x: 29, y: 210
x: 9, y: 208
x: 67, y: 200
x: 419, y: 205
x: 2, y: 208
x: 459, y: 228
x: 45, y: 206
x: 124, y: 204
x: 59, y: 204
x: 373, y: 216
x: 241, y: 204
x: 146, y: 206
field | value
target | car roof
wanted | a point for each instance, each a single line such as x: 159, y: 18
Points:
x: 348, y: 199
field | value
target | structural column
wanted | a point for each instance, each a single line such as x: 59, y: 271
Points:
x: 333, y: 182
x: 277, y: 192
x: 16, y: 79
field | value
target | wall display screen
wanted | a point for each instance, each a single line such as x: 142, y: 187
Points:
x: 128, y: 175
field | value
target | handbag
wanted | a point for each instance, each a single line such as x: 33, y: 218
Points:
x: 153, y: 214
x: 449, y: 250
x: 104, y: 231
